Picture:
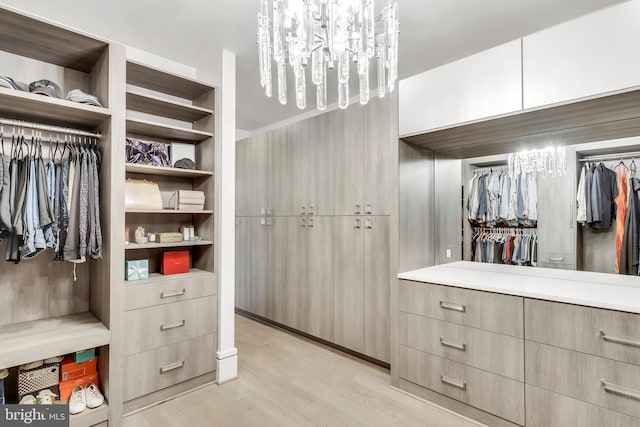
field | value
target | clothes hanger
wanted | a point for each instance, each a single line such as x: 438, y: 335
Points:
x: 632, y: 167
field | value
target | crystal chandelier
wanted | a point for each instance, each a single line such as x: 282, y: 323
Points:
x: 327, y: 35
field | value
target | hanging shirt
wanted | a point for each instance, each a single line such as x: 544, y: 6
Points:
x: 588, y: 183
x: 629, y: 253
x: 604, y: 190
x: 621, y: 210
x: 505, y: 186
x: 581, y: 198
x: 472, y: 204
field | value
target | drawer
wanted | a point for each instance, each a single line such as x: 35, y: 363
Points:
x: 561, y: 259
x: 607, y: 383
x: 500, y: 354
x: 163, y: 367
x: 153, y: 327
x: 548, y: 409
x: 482, y: 310
x: 167, y: 289
x: 579, y: 328
x: 492, y: 393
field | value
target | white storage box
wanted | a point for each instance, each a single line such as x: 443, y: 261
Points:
x: 187, y: 200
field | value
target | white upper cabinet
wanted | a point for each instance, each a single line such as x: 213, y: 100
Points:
x: 483, y: 85
x: 590, y: 55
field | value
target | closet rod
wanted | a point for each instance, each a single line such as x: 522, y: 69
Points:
x: 47, y: 128
x: 611, y: 156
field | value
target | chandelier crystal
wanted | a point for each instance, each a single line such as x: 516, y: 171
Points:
x: 327, y: 35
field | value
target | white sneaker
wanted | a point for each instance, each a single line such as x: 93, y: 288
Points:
x: 78, y: 400
x: 94, y: 397
x: 4, y: 373
x: 31, y: 365
x: 46, y: 397
x: 28, y: 400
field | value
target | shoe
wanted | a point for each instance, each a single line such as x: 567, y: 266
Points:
x: 28, y: 400
x: 31, y: 365
x: 46, y: 397
x: 4, y: 373
x: 53, y: 360
x: 93, y: 395
x: 78, y: 400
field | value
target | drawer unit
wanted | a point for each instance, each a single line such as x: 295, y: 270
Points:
x: 482, y: 310
x: 562, y: 260
x: 153, y: 327
x: 556, y: 410
x: 500, y: 354
x: 168, y: 289
x: 604, y: 382
x: 156, y: 369
x: 492, y: 393
x: 611, y: 334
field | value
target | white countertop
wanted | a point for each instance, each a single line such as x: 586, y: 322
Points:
x: 610, y: 291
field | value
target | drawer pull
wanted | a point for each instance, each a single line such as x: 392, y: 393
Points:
x: 451, y: 306
x: 622, y: 391
x: 619, y: 340
x: 177, y: 325
x: 556, y: 259
x: 172, y: 294
x: 171, y: 367
x: 462, y: 347
x: 462, y: 385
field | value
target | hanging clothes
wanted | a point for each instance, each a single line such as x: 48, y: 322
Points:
x: 629, y: 253
x: 581, y: 196
x: 621, y: 209
x: 604, y: 190
x: 504, y: 245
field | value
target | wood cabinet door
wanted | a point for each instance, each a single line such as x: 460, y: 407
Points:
x: 348, y: 128
x: 258, y: 171
x: 296, y: 271
x: 321, y: 165
x: 377, y: 279
x: 243, y: 177
x: 276, y: 268
x: 349, y: 308
x: 277, y: 171
x: 258, y: 263
x: 297, y: 185
x: 377, y: 156
x: 243, y: 263
x: 317, y: 296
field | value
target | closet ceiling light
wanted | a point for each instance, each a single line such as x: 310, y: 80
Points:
x: 326, y: 35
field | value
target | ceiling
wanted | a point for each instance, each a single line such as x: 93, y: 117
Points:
x: 432, y: 33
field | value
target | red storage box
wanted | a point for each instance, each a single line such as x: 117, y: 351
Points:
x: 70, y: 370
x: 175, y: 262
x: 66, y: 387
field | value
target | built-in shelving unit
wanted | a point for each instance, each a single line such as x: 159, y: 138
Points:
x: 158, y: 80
x: 186, y: 243
x: 166, y: 171
x: 90, y: 417
x: 158, y: 278
x: 171, y: 211
x: 150, y: 104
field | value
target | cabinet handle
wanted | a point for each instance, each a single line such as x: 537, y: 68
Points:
x: 622, y: 391
x: 619, y: 340
x: 556, y: 259
x: 172, y: 294
x: 171, y: 367
x: 263, y: 211
x: 368, y: 223
x: 303, y: 222
x: 269, y: 211
x: 462, y: 347
x: 310, y: 223
x: 462, y: 385
x: 356, y: 223
x: 174, y: 326
x: 312, y: 210
x: 368, y: 209
x: 452, y: 306
x: 357, y: 210
x: 303, y: 210
x: 262, y: 221
x: 269, y: 222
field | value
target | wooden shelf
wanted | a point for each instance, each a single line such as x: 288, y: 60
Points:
x: 138, y: 101
x: 40, y: 339
x: 134, y: 246
x: 171, y: 211
x: 21, y: 105
x: 157, y: 277
x: 162, y: 81
x: 27, y: 36
x: 159, y: 130
x: 90, y: 417
x: 166, y: 171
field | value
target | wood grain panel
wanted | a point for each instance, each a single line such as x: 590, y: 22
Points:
x: 158, y: 289
x: 548, y: 409
x: 155, y: 105
x: 348, y: 126
x: 483, y: 310
x: 376, y: 153
x: 298, y: 160
x: 492, y: 393
x: 276, y: 268
x: 321, y: 174
x: 499, y: 354
x: 166, y: 132
x: 258, y: 262
x: 578, y: 328
x: 257, y: 173
x: 580, y: 376
x: 162, y: 81
x: 318, y: 294
x: 243, y: 263
x: 277, y: 171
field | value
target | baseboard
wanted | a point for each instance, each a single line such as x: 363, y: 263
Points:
x: 227, y: 366
x: 335, y: 346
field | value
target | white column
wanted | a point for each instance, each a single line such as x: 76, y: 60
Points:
x: 225, y: 222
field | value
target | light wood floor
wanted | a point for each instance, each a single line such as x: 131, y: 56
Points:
x: 285, y: 380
